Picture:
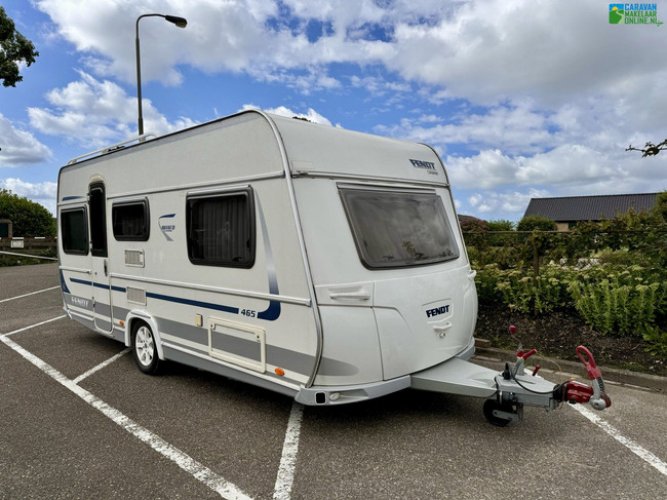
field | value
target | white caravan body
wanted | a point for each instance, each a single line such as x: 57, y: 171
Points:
x: 322, y: 263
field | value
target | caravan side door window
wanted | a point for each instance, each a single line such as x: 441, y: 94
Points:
x: 221, y: 229
x: 98, y: 221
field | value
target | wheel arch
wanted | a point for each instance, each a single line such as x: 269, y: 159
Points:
x: 135, y: 317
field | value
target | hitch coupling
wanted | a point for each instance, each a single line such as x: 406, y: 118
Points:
x: 515, y: 389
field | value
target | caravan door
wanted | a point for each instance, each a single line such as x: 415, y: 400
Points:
x: 101, y: 285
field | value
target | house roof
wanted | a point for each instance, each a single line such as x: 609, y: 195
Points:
x: 584, y: 208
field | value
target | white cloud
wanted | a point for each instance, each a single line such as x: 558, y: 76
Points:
x: 381, y: 87
x: 493, y: 205
x: 221, y: 36
x: 96, y: 113
x: 306, y: 81
x: 490, y: 51
x: 568, y: 169
x: 515, y: 129
x: 41, y: 192
x: 19, y: 147
x: 489, y: 169
x: 486, y: 51
x: 310, y: 115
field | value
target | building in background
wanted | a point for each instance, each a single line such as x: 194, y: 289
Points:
x: 569, y: 210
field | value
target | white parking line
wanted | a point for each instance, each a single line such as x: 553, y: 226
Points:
x: 200, y: 472
x: 101, y: 365
x: 285, y: 478
x: 34, y: 326
x: 29, y: 294
x: 638, y: 450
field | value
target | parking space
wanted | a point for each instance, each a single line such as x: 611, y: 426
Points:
x: 20, y: 280
x: 188, y: 434
x: 53, y: 445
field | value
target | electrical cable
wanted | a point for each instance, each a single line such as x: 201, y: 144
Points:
x: 556, y: 387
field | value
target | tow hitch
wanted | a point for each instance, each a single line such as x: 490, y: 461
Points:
x: 516, y: 389
x: 576, y: 392
x: 507, y: 392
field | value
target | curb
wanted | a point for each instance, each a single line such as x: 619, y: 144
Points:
x: 619, y: 376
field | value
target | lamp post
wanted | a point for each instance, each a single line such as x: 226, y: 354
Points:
x: 180, y: 22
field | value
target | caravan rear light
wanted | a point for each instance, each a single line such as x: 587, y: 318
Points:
x: 280, y: 372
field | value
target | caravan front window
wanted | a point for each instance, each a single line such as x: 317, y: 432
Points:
x: 399, y: 228
x: 221, y: 229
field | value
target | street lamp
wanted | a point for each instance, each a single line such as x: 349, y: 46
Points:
x: 181, y: 22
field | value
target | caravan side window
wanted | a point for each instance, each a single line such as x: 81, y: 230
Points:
x: 74, y: 231
x: 131, y: 221
x: 221, y: 229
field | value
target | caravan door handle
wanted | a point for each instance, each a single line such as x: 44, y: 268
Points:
x: 360, y: 295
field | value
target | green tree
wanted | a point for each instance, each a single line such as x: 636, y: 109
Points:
x: 14, y: 48
x: 661, y: 206
x: 536, y: 223
x: 28, y: 218
x: 500, y: 225
x: 537, y: 243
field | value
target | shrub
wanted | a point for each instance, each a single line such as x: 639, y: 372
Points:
x: 657, y: 341
x: 622, y: 303
x: 525, y: 293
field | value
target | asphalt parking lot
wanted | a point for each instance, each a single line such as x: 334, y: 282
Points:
x: 78, y: 420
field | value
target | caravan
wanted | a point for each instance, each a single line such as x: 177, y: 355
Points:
x: 321, y: 263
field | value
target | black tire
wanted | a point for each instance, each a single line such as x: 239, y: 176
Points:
x: 492, y: 404
x: 144, y: 348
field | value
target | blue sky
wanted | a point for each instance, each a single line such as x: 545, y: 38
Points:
x: 522, y: 98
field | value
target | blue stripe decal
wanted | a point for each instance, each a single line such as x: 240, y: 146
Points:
x: 190, y: 302
x: 63, y: 283
x: 98, y: 285
x: 69, y: 198
x: 81, y: 282
x: 103, y: 286
x: 272, y: 312
x: 168, y: 298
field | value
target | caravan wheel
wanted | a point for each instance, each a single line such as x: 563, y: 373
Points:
x: 144, y: 349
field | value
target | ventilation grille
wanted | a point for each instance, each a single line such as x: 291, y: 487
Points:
x: 136, y: 295
x: 134, y: 258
